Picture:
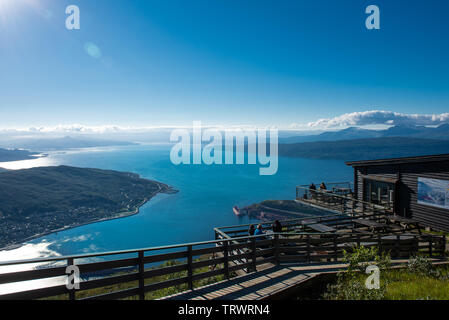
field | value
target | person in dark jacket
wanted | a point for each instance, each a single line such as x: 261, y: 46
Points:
x: 251, y: 230
x: 277, y: 227
x: 312, y: 189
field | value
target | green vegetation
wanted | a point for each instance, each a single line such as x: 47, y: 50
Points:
x: 41, y: 200
x: 420, y: 279
x: 350, y: 284
x: 365, y: 149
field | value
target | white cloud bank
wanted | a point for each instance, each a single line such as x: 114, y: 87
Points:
x: 372, y: 118
x: 378, y: 117
x: 83, y: 129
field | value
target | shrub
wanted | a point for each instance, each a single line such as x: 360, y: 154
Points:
x: 421, y: 265
x: 350, y: 285
x: 362, y: 257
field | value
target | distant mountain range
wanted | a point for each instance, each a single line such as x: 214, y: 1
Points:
x: 352, y: 133
x: 52, y: 144
x: 365, y: 149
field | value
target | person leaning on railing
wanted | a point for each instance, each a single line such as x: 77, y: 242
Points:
x: 258, y: 232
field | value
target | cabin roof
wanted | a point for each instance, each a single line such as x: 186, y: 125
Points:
x: 416, y: 159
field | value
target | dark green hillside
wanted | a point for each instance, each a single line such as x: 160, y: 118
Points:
x: 41, y: 200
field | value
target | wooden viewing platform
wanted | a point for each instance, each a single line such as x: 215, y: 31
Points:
x: 266, y: 265
x: 272, y: 282
x: 274, y: 262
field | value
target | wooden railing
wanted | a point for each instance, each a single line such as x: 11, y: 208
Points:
x: 137, y: 267
x: 341, y: 203
x: 338, y: 221
x: 131, y: 266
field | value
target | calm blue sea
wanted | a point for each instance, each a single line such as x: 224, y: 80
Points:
x: 205, y: 199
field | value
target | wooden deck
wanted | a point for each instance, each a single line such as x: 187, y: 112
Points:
x: 264, y: 284
x: 271, y: 282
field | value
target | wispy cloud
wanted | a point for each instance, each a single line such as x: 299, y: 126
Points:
x: 372, y: 118
x: 379, y: 117
x: 83, y: 129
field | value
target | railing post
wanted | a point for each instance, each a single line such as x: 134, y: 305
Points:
x: 397, y: 246
x: 226, y: 259
x: 253, y: 253
x: 335, y: 248
x: 308, y: 248
x: 443, y: 246
x: 276, y: 248
x: 430, y: 247
x: 141, y: 276
x: 379, y: 242
x: 72, y: 291
x: 189, y: 267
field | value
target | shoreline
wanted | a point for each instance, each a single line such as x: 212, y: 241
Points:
x: 123, y: 214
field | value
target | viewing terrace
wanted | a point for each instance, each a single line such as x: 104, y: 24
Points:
x: 249, y: 267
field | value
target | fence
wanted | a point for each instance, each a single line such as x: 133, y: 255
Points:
x: 249, y: 251
x: 336, y: 201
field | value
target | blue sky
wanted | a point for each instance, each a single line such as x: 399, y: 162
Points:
x: 221, y: 62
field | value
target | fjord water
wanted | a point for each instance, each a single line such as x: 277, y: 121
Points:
x: 205, y: 198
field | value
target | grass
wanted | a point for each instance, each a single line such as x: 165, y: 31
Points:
x: 418, y: 280
x: 404, y: 285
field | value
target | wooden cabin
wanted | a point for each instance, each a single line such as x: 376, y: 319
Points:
x: 415, y: 187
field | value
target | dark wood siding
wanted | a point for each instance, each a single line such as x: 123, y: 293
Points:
x: 407, y: 189
x: 428, y: 215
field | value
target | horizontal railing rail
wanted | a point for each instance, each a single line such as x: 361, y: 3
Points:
x: 342, y: 203
x: 188, y: 261
x: 184, y: 256
x: 299, y: 224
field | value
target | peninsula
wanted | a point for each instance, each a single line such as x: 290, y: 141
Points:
x: 38, y: 201
x: 7, y: 155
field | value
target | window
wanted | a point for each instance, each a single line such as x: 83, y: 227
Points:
x: 379, y: 192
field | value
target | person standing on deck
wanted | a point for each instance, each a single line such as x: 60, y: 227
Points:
x: 277, y: 227
x: 312, y: 189
x: 323, y: 186
x: 251, y: 230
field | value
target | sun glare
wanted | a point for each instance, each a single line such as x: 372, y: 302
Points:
x: 5, y: 9
x: 5, y: 3
x: 9, y: 9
